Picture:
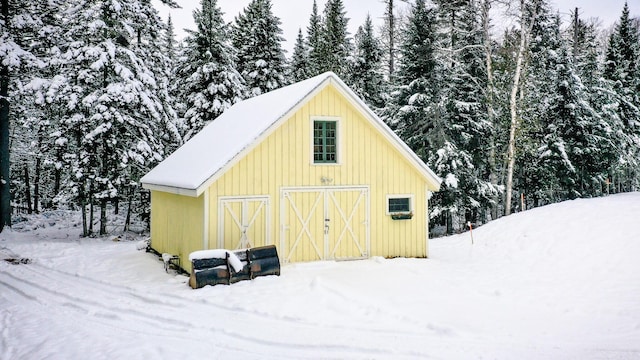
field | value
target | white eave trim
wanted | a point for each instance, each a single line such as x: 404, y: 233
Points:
x: 171, y: 189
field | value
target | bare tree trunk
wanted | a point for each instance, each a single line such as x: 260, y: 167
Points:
x: 27, y: 189
x: 391, y: 22
x: 36, y: 186
x: 103, y: 216
x: 83, y: 209
x: 57, y: 173
x: 5, y: 179
x: 91, y: 206
x: 127, y: 220
x: 511, y: 150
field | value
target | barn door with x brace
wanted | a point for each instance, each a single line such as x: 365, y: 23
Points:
x: 243, y: 222
x: 324, y: 223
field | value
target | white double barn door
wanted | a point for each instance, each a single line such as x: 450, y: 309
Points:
x: 324, y: 223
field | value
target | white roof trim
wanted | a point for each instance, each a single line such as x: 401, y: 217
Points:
x: 171, y: 189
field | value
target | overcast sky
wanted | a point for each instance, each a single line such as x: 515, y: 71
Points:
x: 294, y: 14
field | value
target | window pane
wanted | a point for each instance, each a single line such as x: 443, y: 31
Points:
x: 324, y: 141
x: 399, y: 205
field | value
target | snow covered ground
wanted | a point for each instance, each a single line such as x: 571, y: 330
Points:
x: 557, y: 282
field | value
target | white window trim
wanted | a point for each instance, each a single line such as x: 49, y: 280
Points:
x: 339, y: 145
x: 400, y: 196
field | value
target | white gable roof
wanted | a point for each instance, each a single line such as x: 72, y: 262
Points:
x: 205, y: 157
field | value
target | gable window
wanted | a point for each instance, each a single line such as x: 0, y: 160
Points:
x: 325, y: 142
x: 399, y: 204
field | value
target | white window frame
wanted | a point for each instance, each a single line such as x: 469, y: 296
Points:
x: 339, y: 146
x: 411, y: 198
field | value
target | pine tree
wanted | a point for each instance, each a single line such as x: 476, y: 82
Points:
x: 160, y: 59
x: 607, y: 136
x: 257, y: 37
x: 365, y: 75
x: 115, y: 104
x: 34, y: 158
x: 534, y: 180
x: 622, y: 53
x: 172, y: 49
x: 178, y: 93
x: 622, y: 70
x: 21, y: 27
x: 170, y: 41
x: 314, y: 39
x: 335, y: 44
x: 208, y: 73
x: 415, y: 113
x: 466, y: 193
x: 299, y: 63
x: 570, y: 146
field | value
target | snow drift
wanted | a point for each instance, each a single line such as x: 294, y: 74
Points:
x: 560, y: 282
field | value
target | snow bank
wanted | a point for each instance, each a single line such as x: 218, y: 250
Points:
x: 556, y: 282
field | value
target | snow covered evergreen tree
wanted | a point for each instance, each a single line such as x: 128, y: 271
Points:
x: 416, y: 114
x: 115, y: 103
x: 335, y: 44
x: 171, y: 44
x: 29, y: 34
x: 257, y: 37
x: 533, y: 181
x: 606, y: 133
x: 462, y: 162
x: 570, y: 140
x: 314, y: 39
x: 173, y: 50
x: 37, y: 115
x: 299, y: 63
x: 622, y: 68
x: 211, y: 82
x: 160, y: 60
x: 365, y: 75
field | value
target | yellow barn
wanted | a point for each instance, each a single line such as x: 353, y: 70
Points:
x: 308, y: 168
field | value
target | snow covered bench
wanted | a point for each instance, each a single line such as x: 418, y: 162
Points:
x: 220, y: 266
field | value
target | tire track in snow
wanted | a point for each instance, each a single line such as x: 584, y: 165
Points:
x: 47, y: 298
x: 5, y: 342
x: 112, y: 305
x: 169, y: 301
x: 104, y: 304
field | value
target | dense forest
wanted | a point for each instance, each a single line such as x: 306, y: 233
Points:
x: 94, y: 93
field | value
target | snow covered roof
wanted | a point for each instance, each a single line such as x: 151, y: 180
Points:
x: 224, y: 141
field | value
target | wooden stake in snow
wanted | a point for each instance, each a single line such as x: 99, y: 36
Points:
x: 470, y: 231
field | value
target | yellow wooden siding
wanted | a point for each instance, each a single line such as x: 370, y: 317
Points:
x: 284, y: 159
x: 177, y: 225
